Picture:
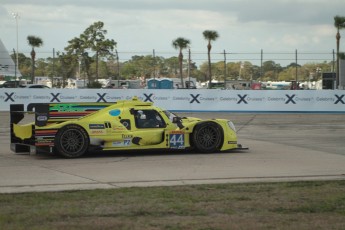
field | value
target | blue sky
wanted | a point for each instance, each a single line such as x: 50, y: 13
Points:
x: 139, y: 26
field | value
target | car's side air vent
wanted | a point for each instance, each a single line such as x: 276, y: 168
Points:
x: 107, y: 125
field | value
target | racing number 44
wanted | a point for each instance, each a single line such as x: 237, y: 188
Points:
x: 176, y: 141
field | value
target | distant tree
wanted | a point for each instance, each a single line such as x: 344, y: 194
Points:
x: 86, y: 62
x: 143, y: 66
x: 271, y: 70
x: 24, y: 64
x: 271, y: 66
x: 232, y: 69
x: 293, y: 64
x: 219, y: 70
x: 76, y: 47
x: 94, y: 39
x: 270, y: 76
x: 256, y: 73
x: 195, y: 72
x: 180, y: 44
x: 289, y: 74
x: 210, y: 35
x: 42, y: 67
x: 66, y: 67
x: 34, y: 42
x: 247, y: 70
x: 339, y: 23
x: 171, y: 66
x: 159, y: 68
x: 129, y: 69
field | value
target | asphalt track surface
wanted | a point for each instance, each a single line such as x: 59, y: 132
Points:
x: 282, y: 147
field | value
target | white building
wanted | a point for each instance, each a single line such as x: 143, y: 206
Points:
x: 7, y: 66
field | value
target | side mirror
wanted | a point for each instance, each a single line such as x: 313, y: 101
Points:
x: 178, y: 122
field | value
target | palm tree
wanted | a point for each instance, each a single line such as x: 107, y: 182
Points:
x: 339, y: 23
x: 210, y: 35
x: 180, y: 44
x: 34, y: 42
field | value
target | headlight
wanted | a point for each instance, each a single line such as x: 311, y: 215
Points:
x: 232, y: 126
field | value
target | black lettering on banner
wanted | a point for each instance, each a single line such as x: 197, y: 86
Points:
x: 55, y: 97
x: 194, y: 98
x: 148, y: 97
x: 101, y: 97
x: 290, y: 99
x: 339, y: 99
x: 242, y: 99
x: 9, y: 97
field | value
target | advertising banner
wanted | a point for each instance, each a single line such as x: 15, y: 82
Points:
x: 320, y: 101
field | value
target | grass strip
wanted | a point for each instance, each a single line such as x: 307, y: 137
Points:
x: 299, y: 205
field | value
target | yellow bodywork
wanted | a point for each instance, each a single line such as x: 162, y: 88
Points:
x: 116, y: 127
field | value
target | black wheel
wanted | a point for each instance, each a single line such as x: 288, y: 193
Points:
x: 72, y: 141
x: 207, y: 137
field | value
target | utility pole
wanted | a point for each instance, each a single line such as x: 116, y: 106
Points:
x: 53, y: 75
x: 118, y: 68
x: 15, y: 65
x: 338, y: 62
x: 225, y: 70
x: 154, y: 64
x: 188, y: 68
x: 16, y: 16
x: 296, y: 71
x: 261, y: 60
x: 334, y: 74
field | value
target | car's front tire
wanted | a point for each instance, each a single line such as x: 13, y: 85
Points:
x: 207, y: 137
x: 72, y: 141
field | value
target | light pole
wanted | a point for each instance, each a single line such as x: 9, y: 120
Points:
x: 16, y: 16
x: 225, y: 69
x: 337, y: 74
x: 118, y: 68
x: 340, y: 26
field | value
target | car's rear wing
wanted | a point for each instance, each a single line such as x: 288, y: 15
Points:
x: 54, y: 112
x: 19, y: 145
x: 16, y: 113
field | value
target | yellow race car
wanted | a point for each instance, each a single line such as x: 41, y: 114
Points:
x: 73, y: 129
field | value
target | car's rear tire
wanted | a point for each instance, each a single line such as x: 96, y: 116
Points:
x: 207, y: 137
x: 72, y: 141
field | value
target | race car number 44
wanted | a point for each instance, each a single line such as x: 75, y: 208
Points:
x: 176, y: 141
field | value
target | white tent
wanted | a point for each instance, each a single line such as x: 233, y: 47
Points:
x: 7, y: 66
